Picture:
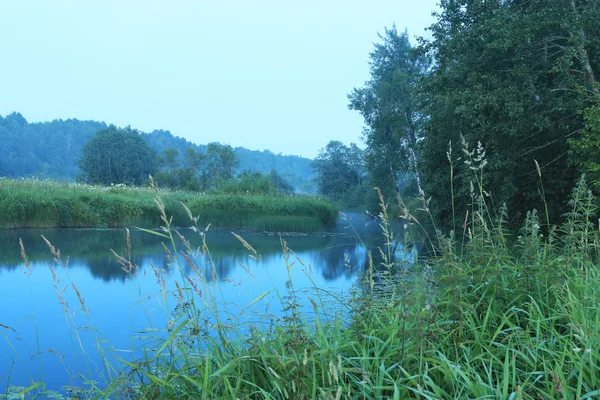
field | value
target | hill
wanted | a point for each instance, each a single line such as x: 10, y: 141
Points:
x: 52, y: 149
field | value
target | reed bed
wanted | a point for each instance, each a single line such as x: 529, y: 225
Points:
x: 30, y: 203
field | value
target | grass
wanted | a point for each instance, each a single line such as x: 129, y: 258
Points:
x: 481, y: 319
x: 31, y: 203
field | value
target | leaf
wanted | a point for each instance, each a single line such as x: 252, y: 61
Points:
x: 171, y: 337
x: 152, y: 232
x: 259, y: 298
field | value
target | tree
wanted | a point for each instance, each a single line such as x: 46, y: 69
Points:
x: 221, y: 164
x: 389, y: 107
x: 181, y: 175
x: 249, y: 182
x: 45, y: 150
x: 338, y: 171
x: 508, y: 74
x: 198, y: 171
x: 193, y: 162
x: 280, y: 184
x: 117, y: 155
x: 585, y: 149
x: 168, y: 163
x: 169, y: 158
x: 53, y: 150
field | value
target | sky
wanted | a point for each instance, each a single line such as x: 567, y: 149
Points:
x: 262, y: 74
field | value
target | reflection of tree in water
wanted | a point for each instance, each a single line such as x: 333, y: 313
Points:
x: 109, y: 269
x: 106, y: 268
x: 222, y: 267
x: 347, y: 255
x: 332, y: 261
x: 403, y: 257
x: 348, y: 259
x: 367, y: 236
x: 74, y: 243
x: 91, y: 249
x: 363, y: 235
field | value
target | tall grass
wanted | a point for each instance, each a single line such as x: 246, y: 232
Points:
x: 45, y: 204
x: 480, y: 319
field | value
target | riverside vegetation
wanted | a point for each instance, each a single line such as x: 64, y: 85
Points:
x: 29, y: 203
x: 494, y: 311
x: 486, y: 316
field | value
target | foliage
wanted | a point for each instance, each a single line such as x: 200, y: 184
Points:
x: 213, y: 171
x: 181, y: 175
x: 117, y: 156
x: 221, y: 164
x: 585, y: 149
x: 52, y: 150
x: 508, y: 74
x: 340, y: 173
x: 49, y: 149
x: 511, y: 75
x: 251, y: 182
x: 389, y: 107
x: 280, y: 184
x: 294, y: 169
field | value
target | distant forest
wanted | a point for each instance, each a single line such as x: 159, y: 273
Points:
x: 52, y: 150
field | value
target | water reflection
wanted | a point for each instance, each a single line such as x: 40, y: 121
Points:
x: 334, y: 254
x: 122, y: 307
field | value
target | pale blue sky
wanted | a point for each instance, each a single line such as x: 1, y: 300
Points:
x: 259, y: 74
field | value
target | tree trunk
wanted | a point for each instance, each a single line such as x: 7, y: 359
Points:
x: 395, y: 178
x: 412, y: 145
x: 582, y: 53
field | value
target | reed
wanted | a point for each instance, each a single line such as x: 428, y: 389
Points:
x: 30, y: 203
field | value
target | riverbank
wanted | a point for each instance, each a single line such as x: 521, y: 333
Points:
x: 478, y: 320
x: 481, y: 320
x: 29, y: 203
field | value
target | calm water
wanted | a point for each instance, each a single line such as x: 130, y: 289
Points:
x: 125, y: 311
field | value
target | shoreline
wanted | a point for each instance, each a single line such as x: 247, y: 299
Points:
x: 32, y: 204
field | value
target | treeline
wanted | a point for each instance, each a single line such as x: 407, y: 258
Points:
x: 122, y: 156
x: 214, y: 170
x: 53, y: 149
x: 45, y: 150
x: 293, y: 169
x: 502, y: 101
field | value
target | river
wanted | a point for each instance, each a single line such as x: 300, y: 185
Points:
x: 48, y: 337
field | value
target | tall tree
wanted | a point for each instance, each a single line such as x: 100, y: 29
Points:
x: 389, y: 106
x: 117, y: 155
x: 168, y: 165
x: 513, y: 75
